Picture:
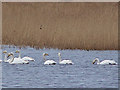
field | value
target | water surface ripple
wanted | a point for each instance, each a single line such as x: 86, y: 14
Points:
x: 83, y: 74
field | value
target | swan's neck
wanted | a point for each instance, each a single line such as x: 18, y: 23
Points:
x: 5, y: 58
x: 12, y: 59
x: 19, y: 55
x: 98, y: 62
x: 44, y: 58
x: 60, y: 59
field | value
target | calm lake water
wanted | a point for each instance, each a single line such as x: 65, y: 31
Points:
x: 83, y: 74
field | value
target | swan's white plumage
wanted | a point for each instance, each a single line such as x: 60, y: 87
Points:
x: 16, y: 60
x: 28, y: 58
x: 0, y: 61
x: 5, y: 57
x: 7, y: 61
x: 25, y: 58
x: 48, y: 62
x: 64, y: 61
x: 110, y: 62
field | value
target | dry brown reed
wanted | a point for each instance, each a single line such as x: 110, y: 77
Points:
x: 61, y: 25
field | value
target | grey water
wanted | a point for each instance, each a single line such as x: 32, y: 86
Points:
x: 83, y: 74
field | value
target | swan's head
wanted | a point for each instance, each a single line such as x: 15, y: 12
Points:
x: 45, y: 54
x: 10, y: 54
x: 59, y: 54
x: 96, y: 59
x: 17, y: 51
x: 4, y: 51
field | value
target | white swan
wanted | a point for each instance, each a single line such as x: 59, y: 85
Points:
x: 48, y: 62
x: 25, y: 58
x: 64, y: 61
x: 14, y: 60
x: 5, y: 58
x: 110, y: 62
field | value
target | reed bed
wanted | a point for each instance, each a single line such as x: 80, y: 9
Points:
x: 90, y: 26
x: 0, y: 23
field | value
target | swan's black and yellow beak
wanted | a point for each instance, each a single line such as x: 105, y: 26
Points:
x: 93, y: 62
x: 4, y: 51
x: 8, y: 55
x: 46, y: 54
x: 17, y: 51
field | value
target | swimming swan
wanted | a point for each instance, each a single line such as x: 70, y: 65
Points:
x: 48, y: 62
x: 5, y: 58
x: 24, y: 58
x: 110, y: 62
x: 64, y: 61
x: 14, y: 60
